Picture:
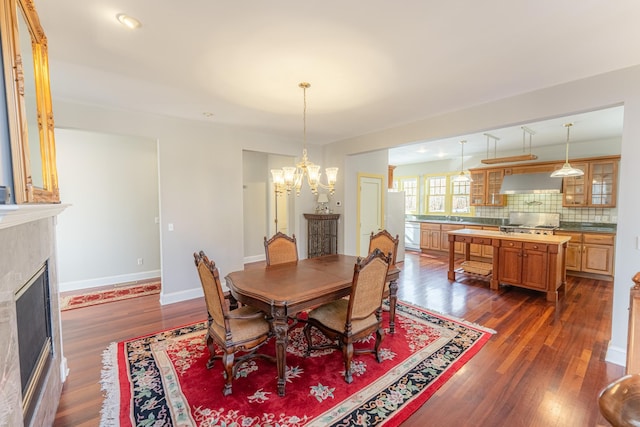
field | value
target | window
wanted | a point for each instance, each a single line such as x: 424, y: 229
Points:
x: 436, y: 194
x: 460, y: 196
x: 410, y: 187
x: 443, y: 196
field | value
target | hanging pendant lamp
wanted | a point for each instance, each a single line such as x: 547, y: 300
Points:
x: 567, y: 170
x: 462, y: 176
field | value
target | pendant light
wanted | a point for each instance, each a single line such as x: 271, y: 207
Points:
x: 462, y: 177
x: 567, y: 170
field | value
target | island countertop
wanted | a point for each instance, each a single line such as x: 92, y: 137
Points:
x: 520, y: 237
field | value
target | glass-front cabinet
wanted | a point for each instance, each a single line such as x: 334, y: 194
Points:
x: 596, y: 188
x: 485, y: 187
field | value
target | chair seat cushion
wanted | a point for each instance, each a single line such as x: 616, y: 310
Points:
x: 334, y: 316
x: 243, y: 329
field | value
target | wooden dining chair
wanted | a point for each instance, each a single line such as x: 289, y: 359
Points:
x: 238, y: 333
x: 345, y: 321
x: 384, y: 241
x: 280, y: 249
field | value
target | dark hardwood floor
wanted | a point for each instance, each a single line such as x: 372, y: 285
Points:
x: 543, y: 367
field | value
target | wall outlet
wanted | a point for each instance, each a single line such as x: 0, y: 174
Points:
x: 140, y: 261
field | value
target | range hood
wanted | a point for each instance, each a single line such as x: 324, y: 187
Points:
x: 530, y: 183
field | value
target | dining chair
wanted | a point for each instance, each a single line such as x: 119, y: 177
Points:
x: 280, y: 249
x: 238, y: 333
x: 345, y: 321
x: 384, y: 241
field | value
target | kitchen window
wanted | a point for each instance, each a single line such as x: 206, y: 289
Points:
x: 410, y: 187
x: 436, y: 194
x: 443, y: 196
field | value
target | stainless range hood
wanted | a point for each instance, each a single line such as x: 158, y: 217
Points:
x: 530, y: 183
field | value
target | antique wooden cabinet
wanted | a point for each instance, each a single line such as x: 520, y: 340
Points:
x: 322, y: 234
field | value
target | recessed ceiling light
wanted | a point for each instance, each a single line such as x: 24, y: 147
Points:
x: 128, y: 21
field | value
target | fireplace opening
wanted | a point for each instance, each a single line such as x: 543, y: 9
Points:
x: 35, y: 349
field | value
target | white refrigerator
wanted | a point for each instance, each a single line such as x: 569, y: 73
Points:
x: 395, y: 219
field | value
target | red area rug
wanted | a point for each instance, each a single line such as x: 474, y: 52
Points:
x: 161, y: 379
x: 109, y: 295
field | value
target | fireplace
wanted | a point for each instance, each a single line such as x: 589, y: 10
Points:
x: 32, y: 363
x: 35, y: 348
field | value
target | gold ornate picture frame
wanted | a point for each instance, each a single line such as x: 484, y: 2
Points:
x: 29, y: 107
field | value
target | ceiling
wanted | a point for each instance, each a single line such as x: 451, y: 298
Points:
x: 372, y: 64
x: 508, y: 141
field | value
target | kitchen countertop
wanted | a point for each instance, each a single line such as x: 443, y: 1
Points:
x: 578, y: 227
x: 521, y: 237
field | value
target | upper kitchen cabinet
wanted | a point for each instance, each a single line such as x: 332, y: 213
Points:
x: 596, y: 188
x: 485, y: 187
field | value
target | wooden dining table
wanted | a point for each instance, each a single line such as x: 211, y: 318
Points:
x: 285, y: 290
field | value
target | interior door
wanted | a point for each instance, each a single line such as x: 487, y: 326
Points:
x: 370, y: 208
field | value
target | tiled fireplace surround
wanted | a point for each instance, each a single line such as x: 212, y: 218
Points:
x: 27, y: 240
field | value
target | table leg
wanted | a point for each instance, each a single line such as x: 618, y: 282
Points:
x: 451, y: 274
x: 393, y: 298
x: 281, y: 328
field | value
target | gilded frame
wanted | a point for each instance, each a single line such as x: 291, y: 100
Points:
x: 25, y: 191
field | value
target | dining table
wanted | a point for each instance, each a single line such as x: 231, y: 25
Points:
x: 284, y: 290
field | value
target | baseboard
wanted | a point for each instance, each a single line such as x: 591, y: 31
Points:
x: 106, y: 281
x: 616, y: 355
x: 254, y: 258
x: 174, y: 297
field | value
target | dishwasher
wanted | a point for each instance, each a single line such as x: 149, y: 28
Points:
x: 412, y: 235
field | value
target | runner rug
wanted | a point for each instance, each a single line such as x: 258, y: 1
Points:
x: 109, y: 295
x: 161, y: 379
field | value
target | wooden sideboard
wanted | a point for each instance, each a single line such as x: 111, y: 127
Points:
x: 525, y: 260
x: 322, y: 234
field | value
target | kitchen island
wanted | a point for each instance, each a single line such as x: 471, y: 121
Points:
x: 530, y: 261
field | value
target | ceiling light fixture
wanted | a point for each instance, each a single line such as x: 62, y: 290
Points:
x: 462, y: 176
x: 290, y: 177
x: 128, y: 21
x: 567, y: 170
x: 510, y: 159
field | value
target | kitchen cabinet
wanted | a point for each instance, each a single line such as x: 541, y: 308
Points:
x: 430, y: 236
x: 459, y: 246
x: 590, y: 252
x: 596, y: 188
x: 487, y: 250
x: 322, y: 234
x: 523, y: 264
x: 574, y: 250
x: 485, y: 187
x: 597, y: 253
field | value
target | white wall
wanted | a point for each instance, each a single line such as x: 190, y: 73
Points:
x: 200, y: 181
x: 111, y: 181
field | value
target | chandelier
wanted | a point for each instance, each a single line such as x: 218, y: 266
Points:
x: 290, y: 177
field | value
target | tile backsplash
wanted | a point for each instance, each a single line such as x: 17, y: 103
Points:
x: 550, y: 203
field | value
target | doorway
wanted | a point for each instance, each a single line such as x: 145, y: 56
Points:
x: 370, y: 208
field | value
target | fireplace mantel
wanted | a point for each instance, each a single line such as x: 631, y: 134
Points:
x: 28, y: 236
x: 12, y: 215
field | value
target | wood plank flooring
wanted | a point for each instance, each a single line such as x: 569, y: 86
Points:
x: 544, y: 367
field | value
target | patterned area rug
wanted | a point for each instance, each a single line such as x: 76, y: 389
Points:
x: 109, y: 295
x: 161, y: 379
